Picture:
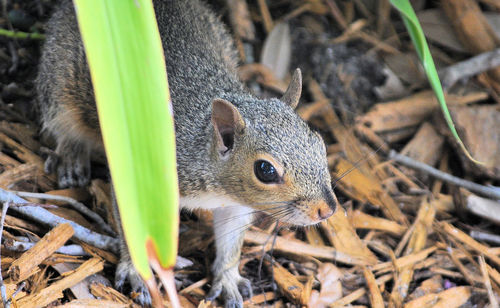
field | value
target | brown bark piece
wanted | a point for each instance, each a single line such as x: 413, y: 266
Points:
x: 79, y: 194
x: 46, y: 182
x: 103, y: 204
x: 287, y: 283
x: 469, y: 241
x: 376, y: 299
x: 96, y: 252
x: 425, y: 146
x: 264, y: 75
x: 411, y: 111
x: 418, y: 240
x: 240, y: 19
x: 107, y: 293
x: 54, y: 291
x: 454, y: 297
x: 344, y: 238
x: 314, y: 237
x: 22, y: 133
x: 15, y: 222
x: 472, y: 27
x: 357, y: 294
x: 89, y: 303
x: 330, y: 277
x: 20, y: 150
x: 431, y: 285
x: 22, y: 267
x: 365, y: 188
x: 360, y: 220
x: 296, y: 247
x: 8, y: 162
x: 478, y: 127
x: 17, y: 174
x: 72, y: 215
x: 403, y: 261
x: 267, y: 20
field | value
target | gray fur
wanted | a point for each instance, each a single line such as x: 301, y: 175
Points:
x: 201, y: 67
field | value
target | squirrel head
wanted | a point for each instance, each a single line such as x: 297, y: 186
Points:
x: 267, y: 157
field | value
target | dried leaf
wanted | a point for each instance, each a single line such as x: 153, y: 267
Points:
x: 331, y: 287
x: 276, y: 53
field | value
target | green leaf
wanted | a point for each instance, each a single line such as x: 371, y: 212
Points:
x: 125, y: 56
x: 417, y: 36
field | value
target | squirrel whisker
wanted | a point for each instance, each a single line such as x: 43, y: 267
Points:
x: 229, y: 219
x: 281, y: 213
x: 355, y: 166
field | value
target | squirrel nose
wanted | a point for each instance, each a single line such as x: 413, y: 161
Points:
x: 324, y: 212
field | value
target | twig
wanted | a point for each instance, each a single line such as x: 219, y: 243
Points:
x: 43, y: 216
x: 6, y: 304
x: 75, y: 204
x: 487, y: 237
x: 482, y: 207
x: 470, y: 67
x: 337, y: 15
x: 479, y: 189
x: 70, y: 250
x: 19, y: 288
x: 21, y: 35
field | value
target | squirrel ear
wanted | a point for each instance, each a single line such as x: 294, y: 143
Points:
x: 227, y: 121
x: 292, y: 93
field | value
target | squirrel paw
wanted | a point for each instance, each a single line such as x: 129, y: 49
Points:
x: 126, y: 271
x: 232, y: 287
x: 73, y: 169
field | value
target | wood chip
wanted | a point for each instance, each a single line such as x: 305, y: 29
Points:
x: 22, y: 267
x: 54, y: 291
x: 287, y: 283
x: 450, y: 298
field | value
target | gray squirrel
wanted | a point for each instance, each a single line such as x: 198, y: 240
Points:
x: 236, y: 154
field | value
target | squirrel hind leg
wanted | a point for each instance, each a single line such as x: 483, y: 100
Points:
x: 126, y: 272
x: 71, y: 163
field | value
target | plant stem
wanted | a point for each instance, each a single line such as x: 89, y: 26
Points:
x: 21, y: 35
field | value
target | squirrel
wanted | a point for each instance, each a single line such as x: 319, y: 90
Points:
x: 236, y: 154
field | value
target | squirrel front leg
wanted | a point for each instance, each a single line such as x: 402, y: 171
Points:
x: 230, y: 224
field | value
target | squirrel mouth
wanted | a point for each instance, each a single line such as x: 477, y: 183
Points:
x: 297, y: 213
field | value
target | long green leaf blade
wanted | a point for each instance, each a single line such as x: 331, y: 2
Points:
x: 417, y: 36
x: 128, y: 72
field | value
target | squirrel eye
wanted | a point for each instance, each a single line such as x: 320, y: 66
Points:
x: 265, y: 172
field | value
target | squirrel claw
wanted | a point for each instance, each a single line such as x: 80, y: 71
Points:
x: 71, y: 163
x: 231, y: 286
x: 126, y: 271
x: 73, y: 173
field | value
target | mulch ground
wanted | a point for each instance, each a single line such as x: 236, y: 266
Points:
x: 403, y: 237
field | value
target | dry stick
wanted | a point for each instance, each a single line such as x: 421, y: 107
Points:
x: 43, y: 216
x: 487, y: 283
x: 479, y: 189
x: 6, y: 304
x: 470, y: 67
x: 75, y: 204
x: 70, y: 250
x: 487, y: 237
